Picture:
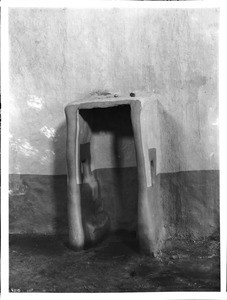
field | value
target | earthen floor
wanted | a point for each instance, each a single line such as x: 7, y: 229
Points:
x: 46, y: 264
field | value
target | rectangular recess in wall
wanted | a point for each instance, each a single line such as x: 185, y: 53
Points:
x: 152, y: 160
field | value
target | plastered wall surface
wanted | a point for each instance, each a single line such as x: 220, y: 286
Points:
x: 58, y: 56
x: 62, y: 55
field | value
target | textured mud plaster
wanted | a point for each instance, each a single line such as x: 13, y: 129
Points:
x: 38, y: 203
x: 190, y: 202
x: 81, y: 122
x: 58, y: 56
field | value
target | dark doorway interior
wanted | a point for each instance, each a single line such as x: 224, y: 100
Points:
x: 112, y: 150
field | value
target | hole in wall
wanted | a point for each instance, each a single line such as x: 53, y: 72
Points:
x: 152, y: 158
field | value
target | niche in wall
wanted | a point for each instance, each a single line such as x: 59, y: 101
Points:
x: 107, y: 149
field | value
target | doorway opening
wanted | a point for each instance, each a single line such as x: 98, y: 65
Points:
x: 108, y: 167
